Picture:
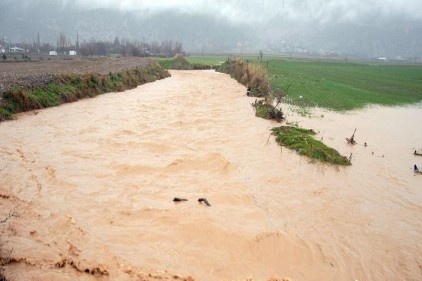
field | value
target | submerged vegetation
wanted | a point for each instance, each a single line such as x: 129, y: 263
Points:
x: 267, y: 111
x: 302, y: 141
x: 71, y: 87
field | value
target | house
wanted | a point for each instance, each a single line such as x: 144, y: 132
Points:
x: 53, y: 53
x: 72, y: 53
x: 16, y: 50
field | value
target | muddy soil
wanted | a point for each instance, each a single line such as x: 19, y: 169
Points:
x: 91, y: 186
x: 38, y: 73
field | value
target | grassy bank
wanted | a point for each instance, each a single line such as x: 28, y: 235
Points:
x: 71, y: 87
x: 253, y: 76
x: 302, y: 141
x: 345, y: 86
x: 256, y: 80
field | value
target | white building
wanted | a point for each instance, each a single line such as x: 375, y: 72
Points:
x: 52, y: 53
x: 16, y: 50
x: 72, y: 53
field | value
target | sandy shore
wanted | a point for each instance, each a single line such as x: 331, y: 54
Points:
x: 91, y: 186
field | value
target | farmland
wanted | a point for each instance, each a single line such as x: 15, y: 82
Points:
x: 345, y: 86
x: 30, y: 73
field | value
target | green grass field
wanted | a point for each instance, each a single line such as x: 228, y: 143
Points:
x: 345, y: 86
x: 339, y: 85
x: 209, y: 60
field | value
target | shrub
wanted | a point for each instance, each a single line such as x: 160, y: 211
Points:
x: 250, y: 75
x: 267, y: 111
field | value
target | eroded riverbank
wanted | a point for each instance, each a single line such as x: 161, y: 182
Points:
x: 94, y: 183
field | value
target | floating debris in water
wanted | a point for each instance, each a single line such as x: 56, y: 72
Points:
x: 203, y: 200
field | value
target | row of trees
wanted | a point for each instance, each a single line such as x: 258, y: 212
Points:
x: 130, y: 48
x: 93, y: 47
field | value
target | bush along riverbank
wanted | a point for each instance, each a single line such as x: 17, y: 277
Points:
x: 250, y: 75
x: 64, y: 88
x: 266, y: 110
x: 256, y: 80
x: 301, y: 140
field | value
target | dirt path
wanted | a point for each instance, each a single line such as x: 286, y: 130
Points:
x: 93, y: 183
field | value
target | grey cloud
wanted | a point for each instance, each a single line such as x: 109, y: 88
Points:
x: 359, y: 27
x: 260, y: 11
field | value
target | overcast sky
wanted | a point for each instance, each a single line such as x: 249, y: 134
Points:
x: 261, y: 10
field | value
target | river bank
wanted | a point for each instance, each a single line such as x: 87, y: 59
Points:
x: 26, y: 86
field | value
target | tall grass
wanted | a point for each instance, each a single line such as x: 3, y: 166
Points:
x: 71, y: 87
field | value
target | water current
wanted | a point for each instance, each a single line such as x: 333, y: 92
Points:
x: 91, y: 187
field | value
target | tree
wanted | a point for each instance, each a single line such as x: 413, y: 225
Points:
x: 62, y: 43
x: 77, y: 41
x: 116, y: 42
x: 38, y: 41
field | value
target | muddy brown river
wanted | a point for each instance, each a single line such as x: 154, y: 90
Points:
x: 90, y: 187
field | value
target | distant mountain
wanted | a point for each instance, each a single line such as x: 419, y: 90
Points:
x: 371, y: 37
x: 20, y: 21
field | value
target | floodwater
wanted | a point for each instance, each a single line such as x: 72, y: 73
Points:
x: 91, y: 187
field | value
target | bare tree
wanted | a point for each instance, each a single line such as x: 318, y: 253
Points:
x: 62, y: 43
